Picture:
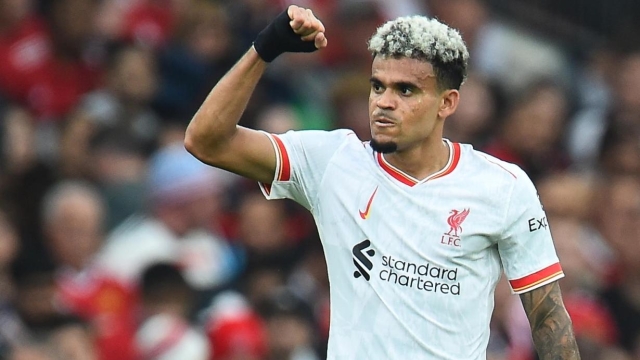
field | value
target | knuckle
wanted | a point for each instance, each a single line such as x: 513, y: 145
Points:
x: 292, y: 11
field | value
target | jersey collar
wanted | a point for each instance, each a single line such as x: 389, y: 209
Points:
x: 399, y: 175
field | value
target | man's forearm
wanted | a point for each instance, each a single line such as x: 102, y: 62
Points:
x: 550, y: 324
x: 218, y: 116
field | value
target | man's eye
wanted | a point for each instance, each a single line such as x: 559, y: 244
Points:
x: 376, y: 87
x: 405, y: 90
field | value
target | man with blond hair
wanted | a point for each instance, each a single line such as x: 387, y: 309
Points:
x: 416, y: 229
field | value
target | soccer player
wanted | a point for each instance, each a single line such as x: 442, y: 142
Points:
x: 416, y: 229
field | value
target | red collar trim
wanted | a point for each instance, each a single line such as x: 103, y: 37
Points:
x: 454, y: 158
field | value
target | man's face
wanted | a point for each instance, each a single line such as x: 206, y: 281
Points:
x: 76, y: 231
x: 404, y: 103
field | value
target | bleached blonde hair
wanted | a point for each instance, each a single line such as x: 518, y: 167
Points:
x: 418, y: 37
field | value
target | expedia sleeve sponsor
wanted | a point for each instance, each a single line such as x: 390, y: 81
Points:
x: 525, y: 246
x: 425, y: 277
x: 537, y: 224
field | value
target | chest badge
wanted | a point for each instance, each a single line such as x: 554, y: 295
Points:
x: 455, y: 220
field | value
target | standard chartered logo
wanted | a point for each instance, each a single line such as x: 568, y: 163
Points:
x: 360, y: 259
x: 423, y: 277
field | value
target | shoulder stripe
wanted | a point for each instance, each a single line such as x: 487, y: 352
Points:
x: 284, y: 171
x: 538, y: 278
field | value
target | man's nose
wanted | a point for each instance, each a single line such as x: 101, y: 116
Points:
x: 386, y: 100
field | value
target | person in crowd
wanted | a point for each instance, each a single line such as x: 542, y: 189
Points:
x: 178, y: 225
x: 530, y: 134
x: 74, y: 217
x: 124, y: 103
x: 167, y: 302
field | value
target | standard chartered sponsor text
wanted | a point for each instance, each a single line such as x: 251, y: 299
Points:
x: 424, y: 277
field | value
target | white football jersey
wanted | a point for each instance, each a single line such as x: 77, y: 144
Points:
x: 413, y: 264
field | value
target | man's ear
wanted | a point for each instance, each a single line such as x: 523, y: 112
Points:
x: 448, y: 103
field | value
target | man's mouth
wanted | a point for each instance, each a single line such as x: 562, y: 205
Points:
x: 383, y: 121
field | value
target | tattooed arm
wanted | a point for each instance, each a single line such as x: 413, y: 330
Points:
x: 550, y: 324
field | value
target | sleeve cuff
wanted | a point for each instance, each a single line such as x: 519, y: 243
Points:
x: 283, y: 164
x: 537, y: 279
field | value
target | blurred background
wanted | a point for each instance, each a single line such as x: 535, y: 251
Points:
x: 115, y: 244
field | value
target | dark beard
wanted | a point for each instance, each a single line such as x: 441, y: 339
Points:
x: 384, y: 148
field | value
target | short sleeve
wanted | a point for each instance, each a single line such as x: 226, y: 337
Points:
x: 302, y: 159
x: 526, y: 248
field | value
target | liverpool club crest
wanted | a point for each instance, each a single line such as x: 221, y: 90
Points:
x: 455, y: 220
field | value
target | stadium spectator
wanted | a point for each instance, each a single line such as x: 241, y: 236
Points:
x: 504, y: 52
x: 74, y: 217
x: 201, y: 51
x: 530, y: 134
x: 234, y: 329
x: 167, y: 302
x: 619, y: 223
x: 349, y: 101
x: 309, y: 282
x: 290, y: 327
x: 24, y: 46
x: 13, y: 332
x: 265, y: 234
x: 118, y: 166
x: 68, y: 67
x: 124, y: 102
x: 476, y: 118
x: 178, y: 225
x: 604, y: 133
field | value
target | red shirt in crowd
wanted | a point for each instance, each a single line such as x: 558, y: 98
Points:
x: 32, y: 76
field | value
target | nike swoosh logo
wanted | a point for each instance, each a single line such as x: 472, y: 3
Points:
x: 365, y: 214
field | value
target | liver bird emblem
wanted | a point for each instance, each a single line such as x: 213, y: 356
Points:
x: 455, y: 221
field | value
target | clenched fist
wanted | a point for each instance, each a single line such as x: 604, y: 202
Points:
x: 294, y: 30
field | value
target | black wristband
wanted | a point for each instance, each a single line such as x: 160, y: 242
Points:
x: 278, y: 37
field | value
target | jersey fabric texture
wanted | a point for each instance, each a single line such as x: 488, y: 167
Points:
x: 413, y: 264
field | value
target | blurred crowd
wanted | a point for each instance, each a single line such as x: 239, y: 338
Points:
x: 116, y: 244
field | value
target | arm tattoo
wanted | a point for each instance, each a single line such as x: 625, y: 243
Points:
x: 550, y: 324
